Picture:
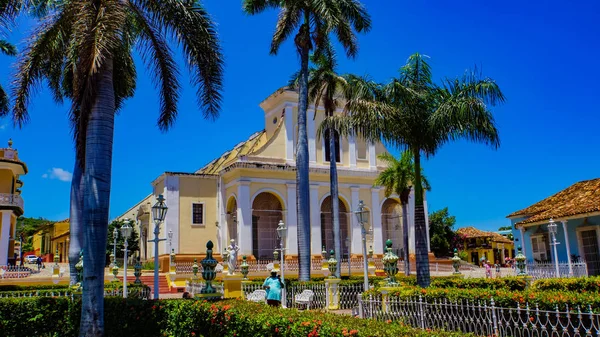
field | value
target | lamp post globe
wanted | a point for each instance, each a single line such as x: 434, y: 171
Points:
x: 159, y: 212
x: 552, y: 229
x: 282, y: 234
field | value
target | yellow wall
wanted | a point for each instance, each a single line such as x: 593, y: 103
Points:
x: 201, y: 190
x: 6, y: 181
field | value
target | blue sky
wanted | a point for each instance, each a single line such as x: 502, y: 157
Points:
x: 544, y: 55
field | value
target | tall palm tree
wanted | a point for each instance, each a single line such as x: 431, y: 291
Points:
x: 413, y: 113
x: 325, y: 87
x: 311, y: 21
x: 86, y: 47
x: 397, y: 179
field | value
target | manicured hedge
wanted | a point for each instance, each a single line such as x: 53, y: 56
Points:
x: 545, y: 300
x: 579, y: 284
x: 132, y: 318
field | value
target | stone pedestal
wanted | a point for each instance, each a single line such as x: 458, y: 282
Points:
x: 385, y: 291
x: 332, y: 298
x: 233, y: 286
x: 371, y: 267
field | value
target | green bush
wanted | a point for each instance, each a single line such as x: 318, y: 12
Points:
x: 132, y: 318
x: 579, y: 284
x: 545, y: 300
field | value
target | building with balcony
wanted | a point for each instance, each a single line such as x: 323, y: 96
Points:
x: 11, y: 203
x: 243, y: 194
x: 485, y: 246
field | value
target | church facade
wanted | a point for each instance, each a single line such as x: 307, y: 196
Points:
x: 243, y: 194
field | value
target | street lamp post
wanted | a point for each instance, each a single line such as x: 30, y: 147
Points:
x: 22, y: 224
x: 552, y: 229
x: 282, y: 233
x: 159, y: 211
x: 126, y: 230
x: 115, y: 235
x: 363, y: 217
x: 170, y: 235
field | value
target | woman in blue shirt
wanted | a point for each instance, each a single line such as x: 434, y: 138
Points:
x: 273, y: 285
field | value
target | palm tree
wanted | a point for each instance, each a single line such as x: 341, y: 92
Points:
x: 413, y: 113
x: 312, y: 21
x: 84, y: 50
x: 397, y: 179
x: 325, y: 87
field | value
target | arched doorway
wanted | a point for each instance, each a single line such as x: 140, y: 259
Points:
x: 391, y: 221
x: 266, y: 213
x: 232, y: 220
x: 327, y: 238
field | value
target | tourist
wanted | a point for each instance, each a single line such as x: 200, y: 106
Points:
x: 273, y: 285
x: 39, y: 262
x: 488, y: 269
x: 497, y: 268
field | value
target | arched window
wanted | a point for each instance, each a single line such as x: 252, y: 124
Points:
x: 337, y: 147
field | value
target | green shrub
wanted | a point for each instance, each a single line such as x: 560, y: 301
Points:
x: 132, y: 318
x: 545, y: 300
x: 579, y: 284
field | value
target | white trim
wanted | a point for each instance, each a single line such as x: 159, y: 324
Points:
x: 312, y: 142
x: 372, y: 156
x: 284, y: 182
x: 567, y: 246
x: 394, y: 197
x: 203, y: 224
x: 227, y: 202
x: 578, y: 231
x: 352, y: 150
x: 343, y: 197
x: 280, y: 107
x: 315, y: 220
x: 289, y: 133
x: 272, y: 191
x: 172, y: 219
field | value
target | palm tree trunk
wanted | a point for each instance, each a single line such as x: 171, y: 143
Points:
x: 335, y: 200
x: 405, y: 242
x: 302, y: 182
x: 96, y: 199
x: 75, y: 219
x: 422, y: 258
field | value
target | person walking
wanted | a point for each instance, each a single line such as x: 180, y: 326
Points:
x: 273, y: 285
x: 39, y: 263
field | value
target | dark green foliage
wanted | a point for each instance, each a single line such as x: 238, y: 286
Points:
x: 133, y: 242
x: 441, y: 232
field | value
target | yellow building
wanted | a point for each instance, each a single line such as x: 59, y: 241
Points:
x: 488, y: 245
x: 244, y: 193
x: 11, y: 203
x: 50, y: 238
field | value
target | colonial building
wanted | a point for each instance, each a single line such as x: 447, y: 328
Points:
x: 567, y: 223
x: 485, y: 246
x: 52, y: 238
x: 244, y: 193
x: 11, y: 203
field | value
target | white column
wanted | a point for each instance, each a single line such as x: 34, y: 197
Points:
x: 377, y: 228
x: 315, y: 221
x: 564, y: 226
x: 4, y: 234
x: 244, y: 218
x: 411, y: 222
x: 372, y: 156
x: 356, y: 245
x: 291, y: 220
x: 171, y: 195
x: 222, y: 218
x: 289, y: 133
x: 312, y: 143
x: 352, y: 150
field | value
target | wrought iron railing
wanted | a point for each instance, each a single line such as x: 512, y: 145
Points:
x: 539, y: 270
x: 15, y: 272
x: 481, y: 318
x: 8, y: 199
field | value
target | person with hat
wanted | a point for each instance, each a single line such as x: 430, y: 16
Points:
x: 273, y: 285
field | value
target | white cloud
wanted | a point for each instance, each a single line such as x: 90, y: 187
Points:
x: 58, y: 173
x: 3, y: 126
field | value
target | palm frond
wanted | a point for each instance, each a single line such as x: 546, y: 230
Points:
x: 4, y: 102
x: 356, y: 14
x: 287, y: 22
x: 7, y: 48
x: 158, y: 56
x: 257, y: 6
x: 192, y: 27
x: 473, y: 84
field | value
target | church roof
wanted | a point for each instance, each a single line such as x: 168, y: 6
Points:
x: 255, y: 142
x: 579, y: 198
